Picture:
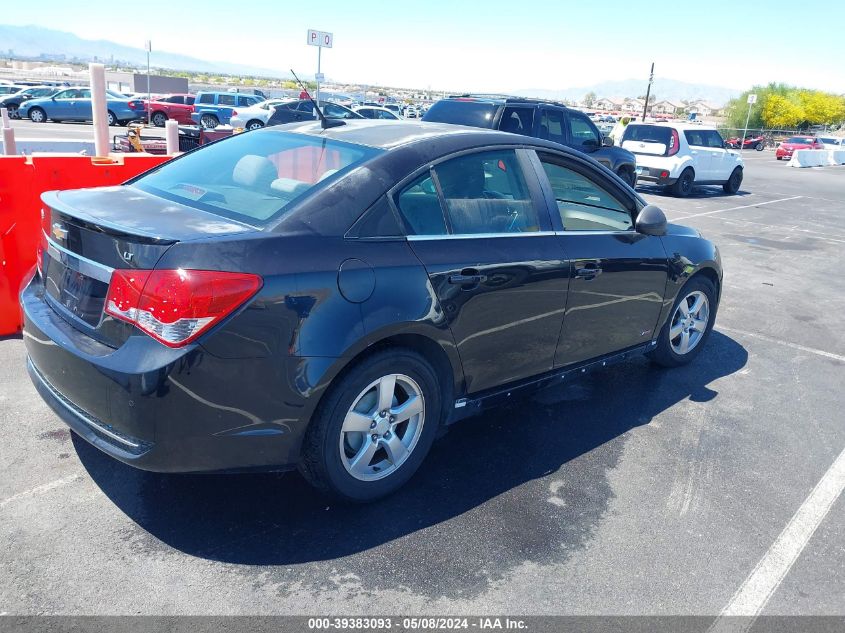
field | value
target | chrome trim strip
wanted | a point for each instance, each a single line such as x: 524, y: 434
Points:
x: 476, y: 236
x: 86, y: 420
x: 87, y: 267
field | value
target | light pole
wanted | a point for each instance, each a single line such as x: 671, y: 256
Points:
x: 149, y: 46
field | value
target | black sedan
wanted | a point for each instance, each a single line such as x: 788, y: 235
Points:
x: 331, y: 298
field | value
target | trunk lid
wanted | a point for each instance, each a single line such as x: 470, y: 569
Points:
x: 88, y: 233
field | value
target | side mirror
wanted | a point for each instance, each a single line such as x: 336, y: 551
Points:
x: 606, y: 141
x: 651, y: 221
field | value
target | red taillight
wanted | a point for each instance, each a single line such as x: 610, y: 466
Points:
x: 234, y: 113
x: 135, y: 105
x: 176, y: 306
x: 674, y: 144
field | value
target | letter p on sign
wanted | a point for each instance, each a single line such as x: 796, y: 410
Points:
x: 320, y: 38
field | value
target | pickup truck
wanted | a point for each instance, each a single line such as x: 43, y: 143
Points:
x: 215, y: 108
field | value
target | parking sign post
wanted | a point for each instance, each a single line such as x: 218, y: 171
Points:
x: 752, y: 99
x: 320, y: 39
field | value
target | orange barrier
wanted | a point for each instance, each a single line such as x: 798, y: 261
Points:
x: 22, y: 181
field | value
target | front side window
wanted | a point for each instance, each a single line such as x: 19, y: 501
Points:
x: 67, y: 94
x: 714, y: 139
x: 583, y: 204
x: 582, y: 132
x: 253, y: 178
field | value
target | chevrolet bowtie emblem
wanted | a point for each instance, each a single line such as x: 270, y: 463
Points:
x: 59, y: 231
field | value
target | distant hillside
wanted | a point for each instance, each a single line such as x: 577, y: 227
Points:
x: 32, y: 41
x: 662, y: 88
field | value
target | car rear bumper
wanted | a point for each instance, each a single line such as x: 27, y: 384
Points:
x: 655, y: 175
x: 160, y: 409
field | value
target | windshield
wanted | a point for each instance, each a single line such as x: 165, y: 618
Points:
x: 647, y: 134
x: 254, y: 177
x: 462, y: 112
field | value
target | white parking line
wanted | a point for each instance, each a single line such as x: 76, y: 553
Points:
x: 40, y: 490
x: 769, y: 339
x: 761, y: 583
x: 747, y: 206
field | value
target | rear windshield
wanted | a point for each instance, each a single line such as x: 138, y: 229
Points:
x: 254, y: 177
x: 462, y: 112
x: 804, y: 140
x: 647, y: 134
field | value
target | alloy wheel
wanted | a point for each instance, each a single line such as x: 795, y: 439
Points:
x: 689, y: 323
x: 382, y: 427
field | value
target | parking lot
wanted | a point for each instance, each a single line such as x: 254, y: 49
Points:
x: 634, y: 491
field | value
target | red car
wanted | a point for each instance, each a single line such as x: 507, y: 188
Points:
x: 751, y: 141
x: 175, y: 106
x: 786, y: 148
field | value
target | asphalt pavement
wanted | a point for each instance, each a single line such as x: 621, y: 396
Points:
x: 637, y: 490
x: 68, y: 131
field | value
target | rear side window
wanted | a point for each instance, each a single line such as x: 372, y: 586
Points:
x: 462, y: 112
x: 482, y: 193
x: 254, y: 177
x: 696, y: 138
x: 552, y: 126
x: 517, y: 120
x: 228, y: 100
x: 206, y: 98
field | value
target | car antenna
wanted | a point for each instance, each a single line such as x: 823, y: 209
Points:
x: 324, y: 122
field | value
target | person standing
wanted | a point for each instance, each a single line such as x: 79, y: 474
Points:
x: 619, y: 129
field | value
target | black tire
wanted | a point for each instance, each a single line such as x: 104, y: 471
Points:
x: 627, y: 174
x: 37, y: 115
x: 759, y: 147
x: 13, y: 111
x: 733, y: 183
x: 209, y: 121
x: 159, y: 119
x: 663, y: 354
x: 779, y: 157
x: 683, y: 187
x: 321, y: 462
x: 111, y: 118
x: 254, y: 124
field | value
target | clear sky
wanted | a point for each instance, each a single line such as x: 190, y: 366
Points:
x: 494, y: 45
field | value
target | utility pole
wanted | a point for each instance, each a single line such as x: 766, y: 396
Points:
x: 648, y: 90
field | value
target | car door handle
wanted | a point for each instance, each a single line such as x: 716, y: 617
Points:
x: 588, y: 273
x: 467, y: 280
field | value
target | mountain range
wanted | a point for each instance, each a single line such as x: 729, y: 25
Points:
x: 662, y: 88
x: 35, y: 41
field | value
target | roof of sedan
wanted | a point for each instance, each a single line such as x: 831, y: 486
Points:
x: 390, y: 134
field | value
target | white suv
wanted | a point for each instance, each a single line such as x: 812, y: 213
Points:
x: 681, y: 156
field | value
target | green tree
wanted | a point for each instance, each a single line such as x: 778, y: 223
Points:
x: 589, y: 99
